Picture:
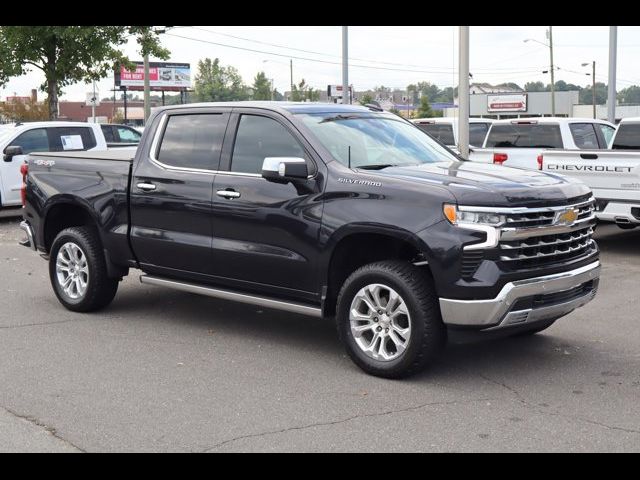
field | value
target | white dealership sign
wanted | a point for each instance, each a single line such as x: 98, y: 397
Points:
x: 507, y: 103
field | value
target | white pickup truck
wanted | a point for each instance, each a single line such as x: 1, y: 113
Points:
x: 519, y: 142
x: 17, y: 140
x: 613, y: 175
x: 445, y: 129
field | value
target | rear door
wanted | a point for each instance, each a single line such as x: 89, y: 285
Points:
x: 264, y: 232
x: 34, y: 140
x: 171, y: 226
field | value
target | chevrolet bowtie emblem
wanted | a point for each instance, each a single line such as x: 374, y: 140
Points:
x: 566, y: 217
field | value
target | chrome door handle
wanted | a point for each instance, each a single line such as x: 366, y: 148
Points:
x: 147, y: 187
x: 228, y: 193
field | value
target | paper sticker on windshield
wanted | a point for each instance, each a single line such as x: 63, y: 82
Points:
x: 71, y: 142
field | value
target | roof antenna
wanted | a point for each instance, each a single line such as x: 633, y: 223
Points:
x: 349, y: 158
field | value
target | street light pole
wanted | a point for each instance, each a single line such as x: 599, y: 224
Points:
x: 593, y: 85
x: 463, y: 92
x: 147, y: 99
x: 613, y: 47
x: 553, y: 83
x: 345, y: 65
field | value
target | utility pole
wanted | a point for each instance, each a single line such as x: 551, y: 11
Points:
x: 613, y: 48
x: 147, y: 105
x: 553, y: 81
x: 593, y: 88
x: 463, y: 92
x: 291, y: 70
x: 345, y: 65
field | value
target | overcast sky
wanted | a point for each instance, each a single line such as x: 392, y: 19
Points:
x: 398, y: 55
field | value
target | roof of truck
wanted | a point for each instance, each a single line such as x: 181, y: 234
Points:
x: 546, y: 120
x: 290, y: 107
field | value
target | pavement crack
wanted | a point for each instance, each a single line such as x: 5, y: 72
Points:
x: 8, y: 327
x: 343, y: 420
x: 51, y: 430
x: 543, y: 411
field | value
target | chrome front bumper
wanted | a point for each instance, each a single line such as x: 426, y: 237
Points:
x: 499, y: 312
x: 27, y: 242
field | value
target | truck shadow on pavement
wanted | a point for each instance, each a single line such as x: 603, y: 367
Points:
x: 612, y: 239
x: 312, y: 336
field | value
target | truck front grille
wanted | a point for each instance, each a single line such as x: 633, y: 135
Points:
x: 536, y: 238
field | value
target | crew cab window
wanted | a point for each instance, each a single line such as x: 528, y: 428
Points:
x: 607, y: 132
x: 128, y: 135
x: 109, y: 135
x: 524, y: 135
x: 70, y: 138
x: 477, y: 133
x: 35, y: 140
x: 260, y: 137
x: 193, y: 140
x: 584, y: 135
x: 439, y: 131
x: 628, y: 137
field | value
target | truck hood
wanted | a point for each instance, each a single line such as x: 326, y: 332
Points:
x: 492, y: 185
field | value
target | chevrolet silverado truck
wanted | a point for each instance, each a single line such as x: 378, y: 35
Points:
x: 336, y: 211
x: 519, y: 142
x: 612, y: 175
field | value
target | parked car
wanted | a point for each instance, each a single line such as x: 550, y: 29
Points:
x: 627, y: 135
x: 20, y: 139
x: 613, y: 175
x: 117, y: 135
x: 445, y: 130
x: 326, y: 210
x: 519, y: 143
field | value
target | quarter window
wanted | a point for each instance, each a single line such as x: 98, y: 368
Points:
x: 260, y: 137
x: 193, y: 141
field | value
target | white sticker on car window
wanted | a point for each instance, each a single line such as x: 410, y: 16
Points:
x: 71, y: 142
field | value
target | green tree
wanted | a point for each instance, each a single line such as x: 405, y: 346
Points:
x: 629, y: 95
x: 424, y: 111
x: 365, y: 99
x: 534, y: 87
x: 216, y: 83
x: 303, y: 92
x: 277, y: 96
x: 586, y: 97
x: 261, y: 87
x: 70, y: 54
x: 395, y: 111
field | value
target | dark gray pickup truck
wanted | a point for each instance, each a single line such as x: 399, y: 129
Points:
x: 326, y: 210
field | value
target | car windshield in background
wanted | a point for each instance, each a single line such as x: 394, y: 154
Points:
x: 440, y: 131
x: 374, y: 141
x: 525, y: 135
x: 628, y: 137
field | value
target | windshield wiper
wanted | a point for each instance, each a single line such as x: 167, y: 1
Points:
x: 379, y: 166
x: 339, y: 117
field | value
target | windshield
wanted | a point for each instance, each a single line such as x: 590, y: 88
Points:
x: 374, y: 140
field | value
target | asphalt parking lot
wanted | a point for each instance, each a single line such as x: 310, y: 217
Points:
x: 161, y: 370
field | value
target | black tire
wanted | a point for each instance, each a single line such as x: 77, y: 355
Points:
x: 428, y: 333
x: 100, y: 289
x: 533, y: 330
x: 626, y: 226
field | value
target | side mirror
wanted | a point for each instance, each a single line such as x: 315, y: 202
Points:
x: 11, y: 151
x: 284, y: 169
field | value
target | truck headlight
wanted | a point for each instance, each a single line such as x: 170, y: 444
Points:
x: 458, y: 217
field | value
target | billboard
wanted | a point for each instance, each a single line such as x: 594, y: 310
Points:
x: 507, y: 103
x: 162, y: 76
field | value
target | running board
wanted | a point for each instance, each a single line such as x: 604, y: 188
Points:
x: 233, y: 296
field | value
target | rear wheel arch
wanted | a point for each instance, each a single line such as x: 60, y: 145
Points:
x: 65, y: 214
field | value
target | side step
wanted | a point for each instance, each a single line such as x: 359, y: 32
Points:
x: 233, y: 296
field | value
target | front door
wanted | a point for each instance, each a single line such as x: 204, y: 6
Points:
x: 264, y: 232
x: 171, y: 227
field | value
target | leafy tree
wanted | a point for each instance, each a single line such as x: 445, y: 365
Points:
x: 70, y: 54
x: 29, y: 111
x: 395, y: 111
x: 534, y: 87
x: 425, y: 108
x: 277, y: 96
x: 365, y: 99
x: 303, y: 92
x: 216, y: 83
x: 629, y: 95
x: 261, y: 87
x: 586, y: 97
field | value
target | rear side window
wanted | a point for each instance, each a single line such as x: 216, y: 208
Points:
x: 71, y: 138
x: 627, y: 137
x: 35, y: 140
x: 193, y: 140
x: 477, y: 133
x: 258, y: 138
x: 439, y: 131
x: 528, y: 135
x: 128, y: 135
x: 584, y: 135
